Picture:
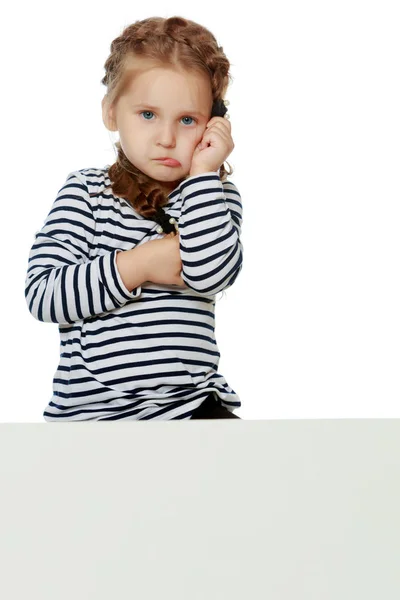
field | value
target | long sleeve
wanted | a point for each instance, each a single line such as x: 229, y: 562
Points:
x: 63, y: 284
x: 209, y: 228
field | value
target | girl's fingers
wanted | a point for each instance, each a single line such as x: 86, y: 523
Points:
x: 221, y: 124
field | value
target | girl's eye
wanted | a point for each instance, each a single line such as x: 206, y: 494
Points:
x: 193, y: 119
x: 151, y: 113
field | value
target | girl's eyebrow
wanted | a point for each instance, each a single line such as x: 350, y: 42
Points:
x: 193, y: 112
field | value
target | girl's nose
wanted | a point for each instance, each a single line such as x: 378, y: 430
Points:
x: 167, y: 134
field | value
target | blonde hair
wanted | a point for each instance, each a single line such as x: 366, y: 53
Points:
x: 174, y: 42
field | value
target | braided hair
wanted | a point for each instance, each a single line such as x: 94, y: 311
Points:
x: 173, y: 42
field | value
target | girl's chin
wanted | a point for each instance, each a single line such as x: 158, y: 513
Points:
x: 171, y: 186
x: 174, y: 183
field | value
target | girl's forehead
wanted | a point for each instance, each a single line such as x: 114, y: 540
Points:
x: 168, y: 75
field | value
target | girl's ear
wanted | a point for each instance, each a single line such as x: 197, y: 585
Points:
x: 108, y: 115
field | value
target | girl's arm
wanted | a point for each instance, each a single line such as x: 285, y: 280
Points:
x: 63, y: 284
x: 210, y: 227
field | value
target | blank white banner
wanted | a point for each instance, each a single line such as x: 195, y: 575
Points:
x: 206, y: 510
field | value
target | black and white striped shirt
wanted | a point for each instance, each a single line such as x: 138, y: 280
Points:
x: 149, y: 353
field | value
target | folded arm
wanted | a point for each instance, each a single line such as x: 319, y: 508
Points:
x: 63, y: 284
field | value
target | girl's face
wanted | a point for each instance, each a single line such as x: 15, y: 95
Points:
x: 163, y: 112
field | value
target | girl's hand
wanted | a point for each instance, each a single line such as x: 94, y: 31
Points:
x: 210, y: 157
x: 163, y: 261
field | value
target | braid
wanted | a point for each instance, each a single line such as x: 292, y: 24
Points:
x: 175, y: 41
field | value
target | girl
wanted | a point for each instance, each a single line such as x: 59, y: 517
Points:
x: 132, y: 255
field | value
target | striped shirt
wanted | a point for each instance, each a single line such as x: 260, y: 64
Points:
x: 148, y: 353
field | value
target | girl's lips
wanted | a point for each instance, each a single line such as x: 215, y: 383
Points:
x: 169, y: 162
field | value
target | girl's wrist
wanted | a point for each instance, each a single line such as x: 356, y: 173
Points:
x: 196, y: 172
x: 200, y: 172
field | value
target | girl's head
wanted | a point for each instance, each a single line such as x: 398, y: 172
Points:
x: 162, y: 78
x: 163, y: 111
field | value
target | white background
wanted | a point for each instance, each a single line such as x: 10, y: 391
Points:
x: 310, y: 329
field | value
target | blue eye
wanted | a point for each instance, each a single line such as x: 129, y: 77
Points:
x: 146, y: 111
x: 150, y: 112
x: 190, y: 118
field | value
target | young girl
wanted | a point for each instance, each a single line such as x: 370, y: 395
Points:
x: 132, y: 255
